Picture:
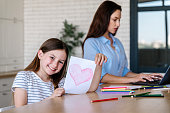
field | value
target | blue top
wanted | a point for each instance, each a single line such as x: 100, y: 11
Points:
x: 116, y: 59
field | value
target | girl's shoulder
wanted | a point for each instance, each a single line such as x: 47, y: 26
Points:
x: 25, y: 74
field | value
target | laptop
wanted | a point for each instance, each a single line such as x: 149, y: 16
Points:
x: 165, y: 80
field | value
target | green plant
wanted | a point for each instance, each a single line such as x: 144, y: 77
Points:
x: 71, y: 36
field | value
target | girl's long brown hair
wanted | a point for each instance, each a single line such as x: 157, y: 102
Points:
x: 49, y: 45
x: 101, y: 20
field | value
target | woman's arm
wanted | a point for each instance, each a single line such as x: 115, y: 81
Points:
x: 108, y: 78
x: 130, y: 77
x: 20, y: 97
x: 142, y: 77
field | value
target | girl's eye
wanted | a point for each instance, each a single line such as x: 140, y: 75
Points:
x: 61, y: 62
x: 52, y: 57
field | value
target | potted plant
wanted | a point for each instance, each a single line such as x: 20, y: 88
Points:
x: 71, y: 36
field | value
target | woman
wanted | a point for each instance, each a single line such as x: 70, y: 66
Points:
x: 100, y: 39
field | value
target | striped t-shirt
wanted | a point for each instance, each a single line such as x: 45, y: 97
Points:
x: 36, y: 88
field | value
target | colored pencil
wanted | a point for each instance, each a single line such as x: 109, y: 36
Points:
x: 147, y: 88
x: 114, y: 90
x: 151, y: 95
x: 101, y: 100
x: 141, y: 94
x: 114, y: 87
x: 118, y: 91
x: 155, y: 86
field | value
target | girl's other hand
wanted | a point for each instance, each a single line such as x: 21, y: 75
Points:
x: 58, y: 92
x: 100, y: 58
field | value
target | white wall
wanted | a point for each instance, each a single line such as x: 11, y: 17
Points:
x: 11, y: 35
x: 43, y: 19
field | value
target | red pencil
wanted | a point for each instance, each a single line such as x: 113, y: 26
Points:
x: 104, y: 99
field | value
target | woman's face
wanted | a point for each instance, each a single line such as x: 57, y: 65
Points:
x: 51, y: 62
x: 114, y: 22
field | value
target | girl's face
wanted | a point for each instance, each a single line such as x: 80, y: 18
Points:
x: 114, y: 22
x: 51, y: 62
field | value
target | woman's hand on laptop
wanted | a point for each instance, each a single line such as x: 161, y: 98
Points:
x: 156, y: 76
x: 143, y: 77
x: 151, y: 77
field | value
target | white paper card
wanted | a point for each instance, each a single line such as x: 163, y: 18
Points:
x: 79, y: 75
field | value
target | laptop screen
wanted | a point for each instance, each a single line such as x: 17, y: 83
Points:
x: 166, y: 79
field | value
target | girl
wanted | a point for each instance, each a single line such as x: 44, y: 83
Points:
x: 40, y: 79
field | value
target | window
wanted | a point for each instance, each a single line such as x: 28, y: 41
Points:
x: 149, y: 3
x: 150, y: 36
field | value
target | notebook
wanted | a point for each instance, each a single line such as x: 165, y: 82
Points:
x: 165, y: 80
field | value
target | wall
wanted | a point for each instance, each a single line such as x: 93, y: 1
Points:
x: 44, y: 19
x: 11, y: 35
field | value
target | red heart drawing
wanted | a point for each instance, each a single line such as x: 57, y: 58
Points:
x: 80, y: 75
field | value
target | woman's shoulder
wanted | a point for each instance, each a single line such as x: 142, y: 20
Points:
x: 94, y: 40
x: 91, y: 39
x: 117, y: 40
x: 90, y: 42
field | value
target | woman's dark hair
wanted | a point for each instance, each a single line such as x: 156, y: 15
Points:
x: 101, y: 20
x: 49, y: 45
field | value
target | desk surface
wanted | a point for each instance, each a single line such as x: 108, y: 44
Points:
x: 82, y: 104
